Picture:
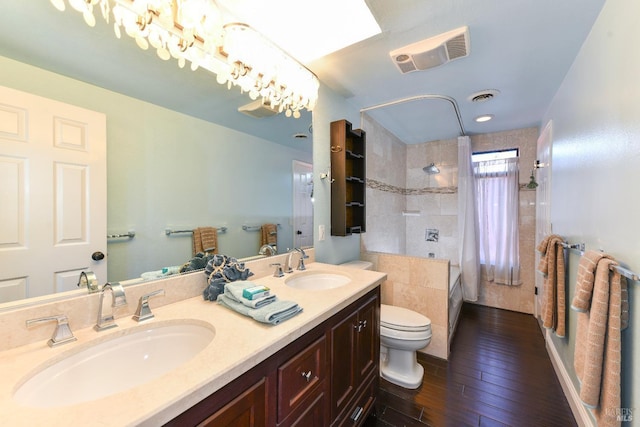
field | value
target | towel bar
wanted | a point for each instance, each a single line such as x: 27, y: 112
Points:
x: 129, y: 235
x: 255, y: 227
x: 624, y: 271
x: 169, y: 231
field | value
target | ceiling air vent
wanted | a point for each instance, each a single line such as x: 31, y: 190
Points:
x: 432, y: 52
x: 257, y: 109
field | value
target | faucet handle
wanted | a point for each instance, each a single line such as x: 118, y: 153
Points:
x: 61, y: 335
x: 143, y: 312
x: 278, y: 272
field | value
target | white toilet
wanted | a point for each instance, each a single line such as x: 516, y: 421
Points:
x: 402, y: 333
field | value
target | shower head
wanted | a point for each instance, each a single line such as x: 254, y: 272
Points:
x: 432, y: 169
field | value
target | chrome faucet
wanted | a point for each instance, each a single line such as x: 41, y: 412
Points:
x: 303, y: 256
x: 301, y: 265
x: 267, y: 250
x: 144, y: 312
x: 287, y: 264
x: 62, y: 334
x: 118, y: 299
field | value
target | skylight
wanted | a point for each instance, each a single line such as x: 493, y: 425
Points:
x: 307, y: 29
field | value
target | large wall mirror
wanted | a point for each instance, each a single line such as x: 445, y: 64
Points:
x: 179, y: 154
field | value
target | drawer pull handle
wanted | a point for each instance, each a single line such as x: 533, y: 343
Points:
x: 360, y: 326
x: 357, y: 413
x: 307, y: 376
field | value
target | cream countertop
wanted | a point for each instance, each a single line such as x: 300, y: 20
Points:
x: 239, y: 344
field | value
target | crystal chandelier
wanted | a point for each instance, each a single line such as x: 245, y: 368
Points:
x: 192, y: 31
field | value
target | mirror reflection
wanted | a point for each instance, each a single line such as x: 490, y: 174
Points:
x: 171, y: 171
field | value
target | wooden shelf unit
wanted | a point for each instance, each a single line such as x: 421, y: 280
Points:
x: 348, y: 171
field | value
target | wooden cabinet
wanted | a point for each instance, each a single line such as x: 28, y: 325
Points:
x: 355, y: 350
x: 300, y: 379
x: 348, y: 172
x: 329, y: 376
x: 246, y: 410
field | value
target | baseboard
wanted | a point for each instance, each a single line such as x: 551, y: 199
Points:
x: 580, y: 412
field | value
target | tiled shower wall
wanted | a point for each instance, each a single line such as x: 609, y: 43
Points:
x: 396, y: 183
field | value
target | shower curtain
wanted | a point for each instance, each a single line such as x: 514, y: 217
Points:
x: 467, y: 229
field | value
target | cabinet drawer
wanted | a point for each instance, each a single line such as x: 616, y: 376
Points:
x: 362, y: 405
x: 300, y: 377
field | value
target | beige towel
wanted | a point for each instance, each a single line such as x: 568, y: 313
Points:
x: 205, y: 239
x: 553, y: 300
x: 597, y: 356
x: 586, y: 279
x: 269, y: 234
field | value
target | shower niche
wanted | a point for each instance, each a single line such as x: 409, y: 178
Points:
x: 348, y: 171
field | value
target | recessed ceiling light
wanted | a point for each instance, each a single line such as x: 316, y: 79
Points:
x: 484, y: 118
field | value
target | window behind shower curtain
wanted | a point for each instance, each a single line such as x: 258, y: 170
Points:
x: 497, y: 186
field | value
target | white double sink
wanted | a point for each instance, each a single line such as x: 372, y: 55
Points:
x: 134, y: 356
x: 125, y: 360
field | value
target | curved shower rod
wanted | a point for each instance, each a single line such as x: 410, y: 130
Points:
x: 453, y: 102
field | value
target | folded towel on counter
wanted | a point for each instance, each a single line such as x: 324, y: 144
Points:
x: 158, y: 274
x: 234, y: 291
x: 273, y: 313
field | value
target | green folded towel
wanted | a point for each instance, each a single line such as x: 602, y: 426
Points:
x: 273, y: 313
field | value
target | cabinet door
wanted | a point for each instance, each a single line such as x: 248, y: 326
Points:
x: 300, y: 378
x: 343, y: 355
x: 367, y: 340
x: 247, y: 410
x: 314, y: 416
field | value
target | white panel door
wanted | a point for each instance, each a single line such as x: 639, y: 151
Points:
x: 543, y: 203
x: 302, y: 204
x: 53, y: 189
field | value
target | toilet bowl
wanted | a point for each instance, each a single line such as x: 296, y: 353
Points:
x: 402, y: 333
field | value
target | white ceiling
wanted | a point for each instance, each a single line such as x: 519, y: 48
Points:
x: 523, y: 48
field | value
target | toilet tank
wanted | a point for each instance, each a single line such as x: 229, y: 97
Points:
x: 362, y: 265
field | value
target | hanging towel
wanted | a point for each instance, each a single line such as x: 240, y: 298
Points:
x: 269, y: 234
x: 597, y: 356
x: 273, y: 313
x: 585, y: 280
x: 553, y: 300
x: 205, y: 239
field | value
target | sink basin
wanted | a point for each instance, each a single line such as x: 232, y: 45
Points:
x: 317, y: 280
x: 114, y: 364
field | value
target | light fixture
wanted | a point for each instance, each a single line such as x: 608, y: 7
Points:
x: 484, y: 118
x: 192, y: 31
x: 432, y: 169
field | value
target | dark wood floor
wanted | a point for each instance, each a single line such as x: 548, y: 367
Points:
x: 499, y: 373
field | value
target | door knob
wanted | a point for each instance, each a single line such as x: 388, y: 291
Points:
x: 97, y: 256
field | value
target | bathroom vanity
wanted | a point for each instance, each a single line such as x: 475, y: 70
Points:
x: 319, y: 367
x: 329, y: 376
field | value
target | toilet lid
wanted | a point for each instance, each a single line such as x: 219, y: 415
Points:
x: 402, y: 319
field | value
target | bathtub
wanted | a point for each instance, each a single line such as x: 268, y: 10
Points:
x: 455, y: 299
